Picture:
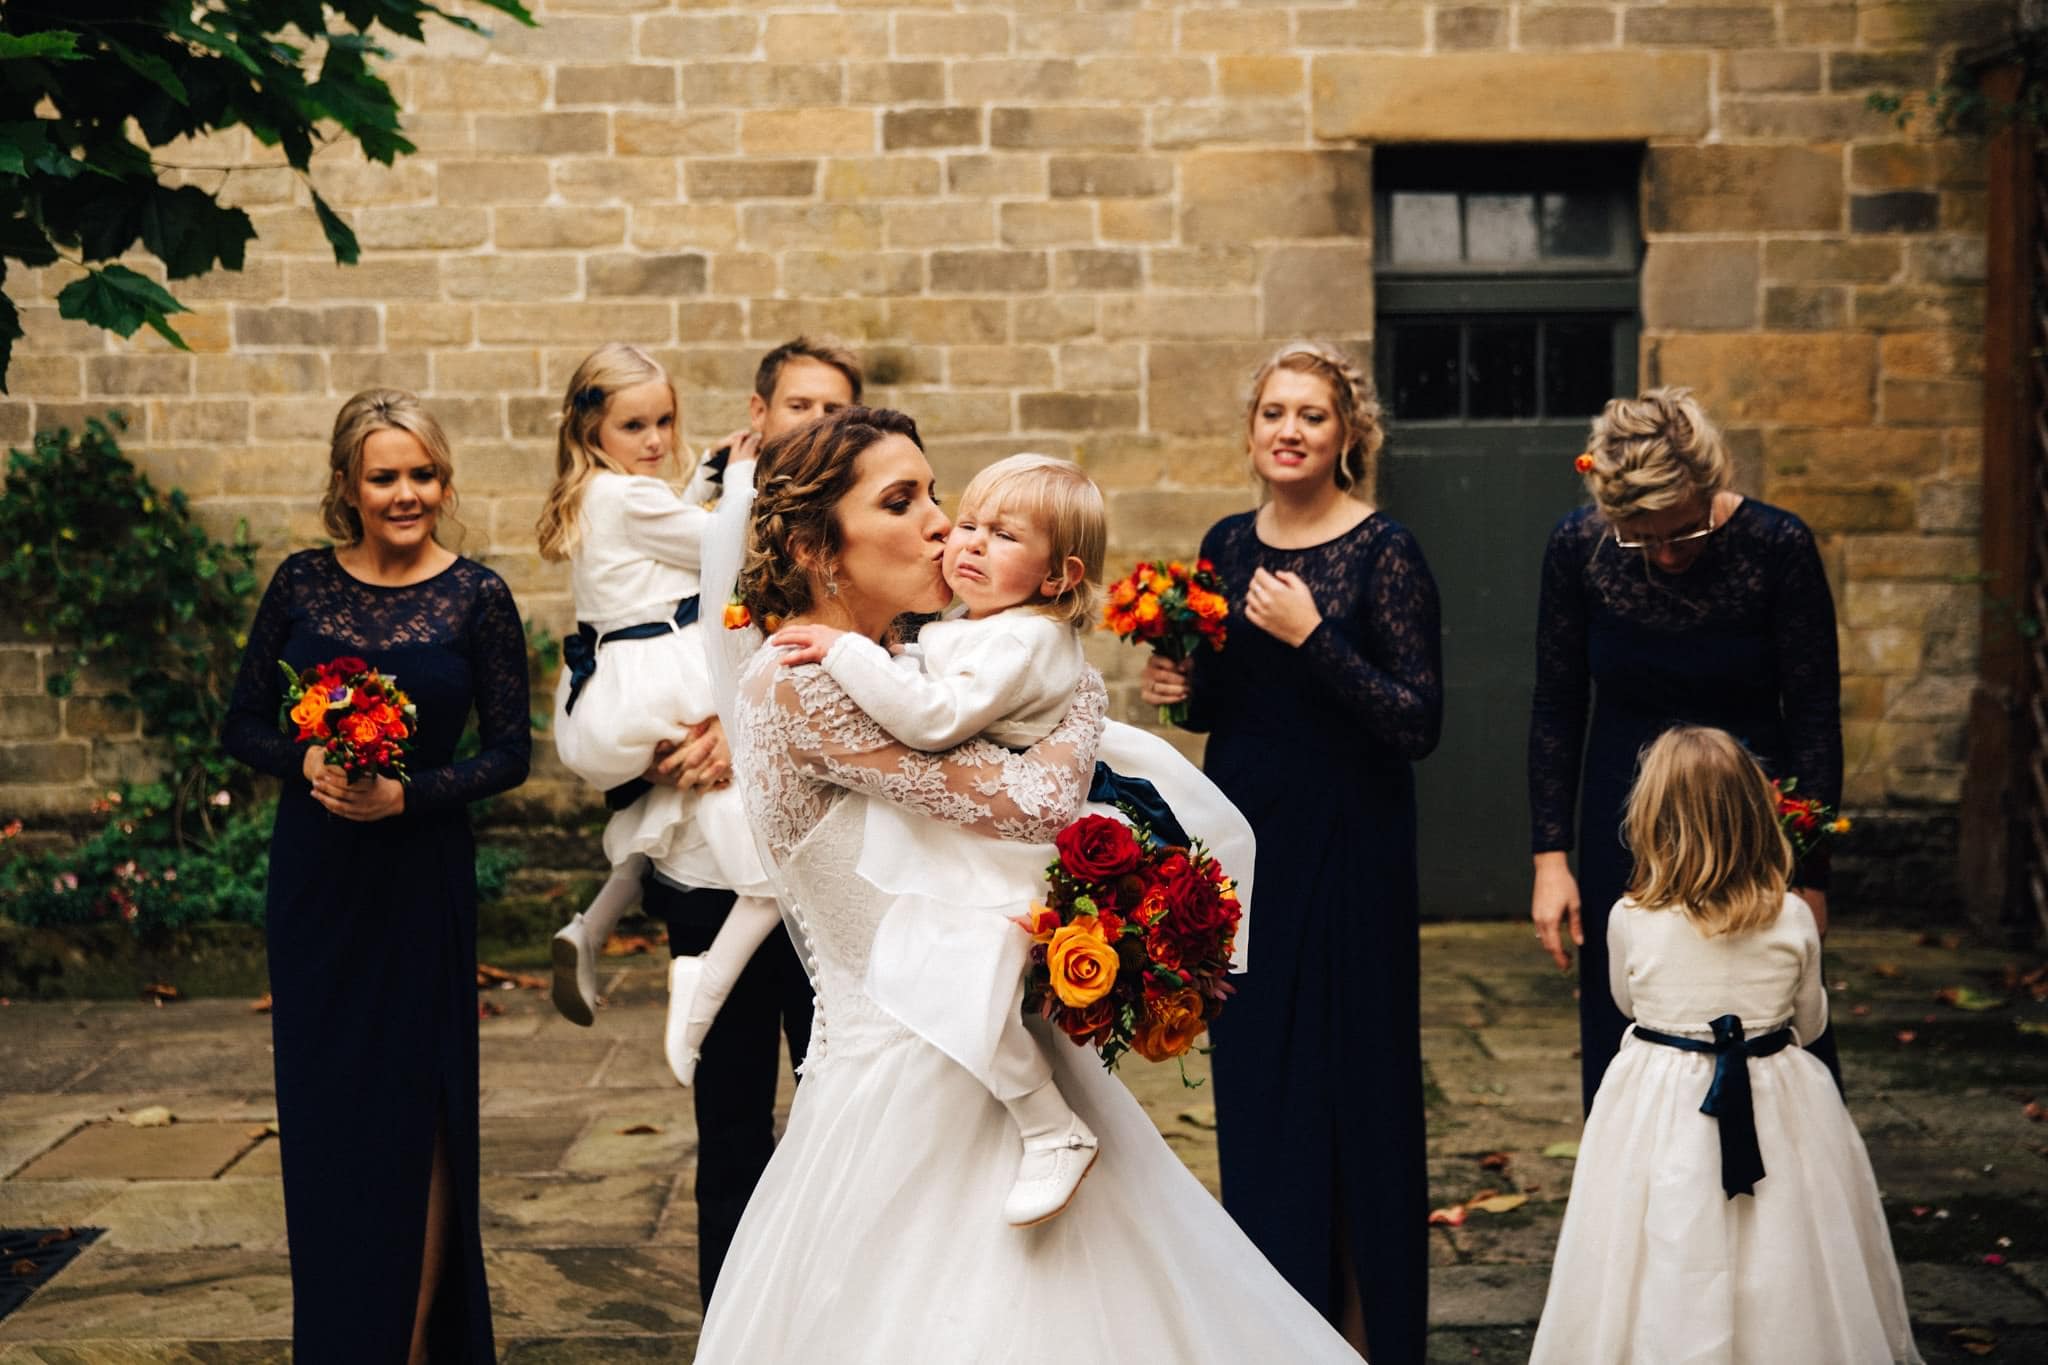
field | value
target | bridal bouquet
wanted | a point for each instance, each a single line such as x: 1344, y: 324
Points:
x: 360, y: 716
x: 1805, y: 820
x: 1172, y: 608
x: 1132, y: 947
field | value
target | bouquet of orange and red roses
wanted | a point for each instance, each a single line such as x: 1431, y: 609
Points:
x: 1172, y: 608
x: 358, y: 715
x: 1133, y: 945
x: 1806, y: 820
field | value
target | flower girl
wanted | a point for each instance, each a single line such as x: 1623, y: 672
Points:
x: 635, y: 677
x: 1025, y: 561
x: 1722, y: 1207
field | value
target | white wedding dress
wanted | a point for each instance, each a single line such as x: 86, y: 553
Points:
x: 876, y: 1234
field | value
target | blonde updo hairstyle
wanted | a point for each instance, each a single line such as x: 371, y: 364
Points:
x: 793, y: 531
x: 578, y: 456
x: 362, y: 416
x: 1353, y: 401
x: 1654, y: 453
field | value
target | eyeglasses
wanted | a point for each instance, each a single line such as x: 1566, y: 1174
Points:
x: 1660, y: 542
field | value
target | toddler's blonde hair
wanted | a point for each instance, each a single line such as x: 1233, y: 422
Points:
x: 1058, y: 497
x: 1702, y: 822
x: 578, y: 457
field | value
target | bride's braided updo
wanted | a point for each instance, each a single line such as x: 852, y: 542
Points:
x: 798, y: 480
x: 1652, y: 453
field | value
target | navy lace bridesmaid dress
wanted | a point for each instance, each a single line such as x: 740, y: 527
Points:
x: 1318, y: 1058
x: 372, y: 939
x: 1744, y: 640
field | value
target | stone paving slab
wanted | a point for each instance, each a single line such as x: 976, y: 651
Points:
x: 590, y: 1231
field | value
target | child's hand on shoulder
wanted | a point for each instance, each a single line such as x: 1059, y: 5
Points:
x: 805, y: 644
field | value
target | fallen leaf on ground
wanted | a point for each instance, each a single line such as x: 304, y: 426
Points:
x: 1890, y: 971
x: 1975, y: 1340
x: 487, y: 975
x: 1993, y: 1259
x: 1859, y: 1010
x: 1564, y: 1149
x: 261, y: 1006
x: 628, y: 945
x: 2033, y: 1026
x: 639, y: 1130
x: 1495, y: 1161
x: 24, y: 1266
x: 1499, y: 1203
x: 1452, y: 1217
x: 1905, y: 1035
x: 1922, y: 1210
x: 488, y: 1009
x: 159, y: 991
x: 2034, y: 1111
x: 156, y: 1116
x: 52, y: 1238
x: 1201, y: 1116
x: 1968, y: 998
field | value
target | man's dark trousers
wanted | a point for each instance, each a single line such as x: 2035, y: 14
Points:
x: 737, y: 1075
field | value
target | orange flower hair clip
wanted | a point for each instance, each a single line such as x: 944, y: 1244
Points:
x: 1584, y: 464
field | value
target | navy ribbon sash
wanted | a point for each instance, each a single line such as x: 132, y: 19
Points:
x: 579, y: 651
x: 1728, y: 1098
x: 1140, y: 799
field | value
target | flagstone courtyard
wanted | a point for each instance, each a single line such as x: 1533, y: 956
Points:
x: 588, y: 1219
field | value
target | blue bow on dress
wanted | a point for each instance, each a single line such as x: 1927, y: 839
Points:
x: 1729, y: 1100
x: 1140, y: 799
x: 579, y: 651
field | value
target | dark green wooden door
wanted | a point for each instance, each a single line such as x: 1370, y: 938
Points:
x: 1507, y: 315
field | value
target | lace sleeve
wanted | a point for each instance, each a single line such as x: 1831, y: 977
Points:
x: 1809, y: 681
x: 1201, y: 716
x: 496, y: 645
x: 1396, y: 688
x: 932, y: 712
x: 981, y: 786
x: 1557, y: 712
x: 251, y: 732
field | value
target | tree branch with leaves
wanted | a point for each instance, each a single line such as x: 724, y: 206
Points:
x: 90, y: 88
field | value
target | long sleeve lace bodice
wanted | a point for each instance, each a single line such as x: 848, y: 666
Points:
x: 1744, y: 640
x: 1374, y: 667
x: 803, y: 743
x: 453, y: 642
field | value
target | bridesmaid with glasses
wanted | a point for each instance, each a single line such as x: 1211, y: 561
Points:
x: 1671, y: 600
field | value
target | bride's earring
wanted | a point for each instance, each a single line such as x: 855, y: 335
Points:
x: 831, y: 587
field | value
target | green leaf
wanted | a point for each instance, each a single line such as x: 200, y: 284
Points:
x: 21, y: 239
x: 118, y: 299
x: 22, y: 144
x: 339, y: 234
x: 151, y: 68
x: 1568, y: 1150
x: 55, y: 45
x: 189, y: 231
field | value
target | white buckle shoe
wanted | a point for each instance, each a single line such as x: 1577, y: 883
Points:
x: 684, y: 973
x: 575, y: 959
x: 1050, y: 1174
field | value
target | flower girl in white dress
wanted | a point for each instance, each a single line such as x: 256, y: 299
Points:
x: 1722, y: 1207
x: 635, y: 677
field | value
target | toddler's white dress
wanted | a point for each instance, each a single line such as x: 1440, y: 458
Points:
x: 1654, y: 1262
x: 636, y: 559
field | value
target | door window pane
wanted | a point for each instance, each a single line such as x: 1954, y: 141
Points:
x: 1577, y: 225
x: 1425, y: 227
x: 1578, y: 368
x: 1500, y: 228
x: 1501, y: 370
x: 1425, y: 364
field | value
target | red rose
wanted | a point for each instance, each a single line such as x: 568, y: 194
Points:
x: 1194, y: 907
x: 1096, y: 848
x: 348, y: 666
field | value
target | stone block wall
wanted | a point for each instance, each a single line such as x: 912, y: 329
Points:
x: 1073, y: 225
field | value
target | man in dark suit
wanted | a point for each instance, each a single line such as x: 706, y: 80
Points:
x: 797, y: 382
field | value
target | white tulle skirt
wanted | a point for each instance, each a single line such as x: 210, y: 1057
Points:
x: 643, y: 693
x: 1655, y: 1264
x: 876, y: 1235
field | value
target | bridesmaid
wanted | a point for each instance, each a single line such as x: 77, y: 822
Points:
x: 1672, y: 600
x: 372, y: 902
x: 1329, y: 689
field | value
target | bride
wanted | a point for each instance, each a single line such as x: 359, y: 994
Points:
x: 877, y: 1232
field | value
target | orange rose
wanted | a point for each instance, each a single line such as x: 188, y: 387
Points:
x: 1147, y: 610
x: 311, y: 708
x: 737, y: 617
x: 1082, y: 963
x: 1170, y: 1028
x: 359, y: 730
x: 1124, y: 593
x: 1210, y: 606
x: 1160, y: 583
